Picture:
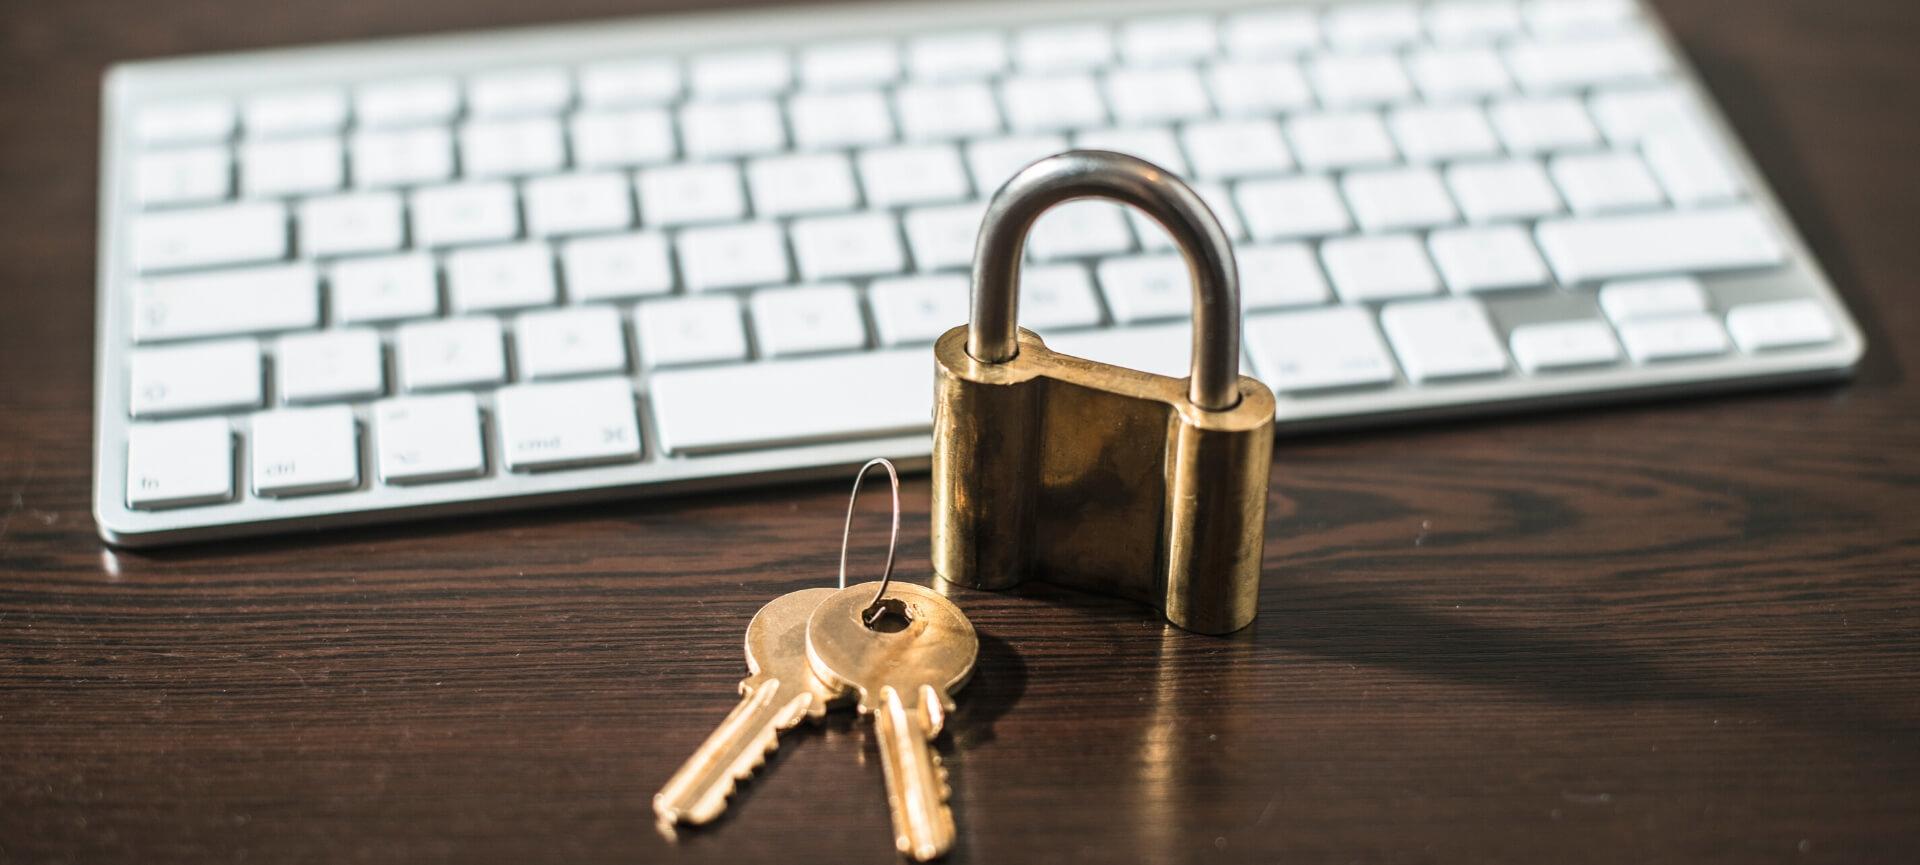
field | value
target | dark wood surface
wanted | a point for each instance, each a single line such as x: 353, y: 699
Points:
x: 1659, y: 633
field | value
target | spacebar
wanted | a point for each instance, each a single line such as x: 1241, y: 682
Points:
x: 789, y: 402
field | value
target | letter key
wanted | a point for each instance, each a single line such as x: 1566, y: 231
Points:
x: 777, y: 693
x: 902, y: 670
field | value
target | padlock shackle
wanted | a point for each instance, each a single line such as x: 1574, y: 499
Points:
x: 1160, y: 195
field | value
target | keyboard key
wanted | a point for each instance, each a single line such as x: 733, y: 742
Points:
x: 464, y: 213
x: 226, y: 302
x: 1154, y: 144
x: 1398, y: 198
x: 510, y: 148
x: 568, y: 424
x: 371, y: 290
x: 490, y: 278
x: 190, y: 176
x: 827, y: 121
x: 402, y: 157
x: 179, y: 463
x: 1290, y: 207
x: 1056, y: 297
x: 1273, y: 277
x: 1443, y: 133
x: 913, y: 174
x: 291, y: 166
x: 918, y: 309
x: 1232, y: 149
x: 328, y: 365
x: 1472, y: 21
x: 1258, y: 88
x: 1563, y: 345
x: 453, y: 352
x: 1272, y: 33
x: 691, y: 194
x: 1346, y: 80
x: 732, y: 256
x: 1080, y: 228
x: 1158, y: 95
x: 517, y: 92
x: 619, y: 83
x: 807, y: 320
x: 406, y: 102
x: 299, y: 451
x: 1552, y: 65
x: 420, y: 439
x: 1459, y: 73
x: 1487, y: 259
x: 951, y: 56
x: 1317, y: 350
x: 1047, y: 103
x: 1147, y: 287
x: 1340, y: 140
x: 1605, y: 182
x: 837, y: 247
x: 753, y: 72
x: 295, y: 112
x: 1373, y: 25
x: 1063, y: 47
x: 1780, y: 324
x: 1631, y: 114
x: 584, y: 340
x: 795, y: 401
x: 1540, y: 125
x: 618, y: 139
x: 1161, y: 349
x: 943, y: 237
x: 1578, y: 16
x: 1629, y: 299
x: 802, y: 183
x: 1673, y: 337
x: 1382, y: 267
x: 723, y: 130
x: 1503, y: 190
x: 202, y: 377
x: 616, y: 267
x: 1691, y: 167
x: 190, y: 122
x: 866, y: 63
x: 254, y: 231
x: 1167, y: 39
x: 689, y: 330
x: 1443, y: 339
x: 351, y: 224
x: 995, y: 161
x: 1589, y: 249
x: 939, y: 112
x: 565, y: 204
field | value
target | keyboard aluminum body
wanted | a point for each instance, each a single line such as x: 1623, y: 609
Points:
x: 735, y: 426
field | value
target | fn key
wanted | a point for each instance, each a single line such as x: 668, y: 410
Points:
x: 573, y: 423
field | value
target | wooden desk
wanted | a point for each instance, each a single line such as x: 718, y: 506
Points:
x: 1678, y: 632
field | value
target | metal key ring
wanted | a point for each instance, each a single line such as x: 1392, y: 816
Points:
x: 893, y: 541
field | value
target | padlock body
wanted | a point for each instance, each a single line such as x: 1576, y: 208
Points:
x: 1101, y: 478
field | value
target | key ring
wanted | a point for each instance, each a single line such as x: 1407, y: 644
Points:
x: 873, y: 610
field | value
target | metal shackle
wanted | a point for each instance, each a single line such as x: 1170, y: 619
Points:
x: 991, y: 337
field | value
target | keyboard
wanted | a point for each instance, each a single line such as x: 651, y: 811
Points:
x: 378, y: 281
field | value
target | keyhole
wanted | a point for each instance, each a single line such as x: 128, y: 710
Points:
x: 888, y: 616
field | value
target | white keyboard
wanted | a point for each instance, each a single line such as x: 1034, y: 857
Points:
x: 369, y: 282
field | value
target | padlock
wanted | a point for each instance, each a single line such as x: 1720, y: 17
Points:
x: 1094, y: 476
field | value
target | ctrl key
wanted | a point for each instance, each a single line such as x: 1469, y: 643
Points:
x: 179, y: 463
x: 428, y: 438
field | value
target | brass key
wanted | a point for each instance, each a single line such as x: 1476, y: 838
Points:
x: 778, y: 692
x: 901, y: 656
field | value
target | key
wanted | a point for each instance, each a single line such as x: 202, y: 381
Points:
x: 291, y: 166
x: 1487, y: 259
x: 1443, y: 132
x: 197, y: 377
x: 918, y: 309
x: 566, y: 424
x: 290, y: 112
x: 1345, y: 80
x: 401, y: 157
x: 1272, y: 33
x: 1262, y: 88
x: 450, y: 352
x: 507, y: 148
x: 688, y: 194
x: 1063, y: 47
x: 1571, y: 64
x: 226, y: 302
x: 1502, y: 190
x: 1398, y: 198
x: 1674, y: 337
x: 807, y: 320
x: 464, y: 213
x: 953, y: 56
x: 1320, y: 349
x: 1230, y: 149
x: 795, y: 401
x: 428, y: 438
x: 1460, y: 73
x: 689, y: 330
x: 801, y: 183
x: 824, y: 121
x: 901, y: 670
x: 389, y: 288
x: 578, y: 203
x: 1443, y: 339
x: 351, y: 224
x: 1155, y: 144
x: 1602, y: 182
x: 1340, y: 140
x: 252, y: 231
x: 1691, y: 167
x: 994, y: 161
x: 329, y: 365
x: 721, y: 130
x: 942, y: 237
x: 732, y: 256
x: 552, y: 343
x: 1057, y: 297
x: 1146, y: 96
x: 511, y: 92
x: 836, y: 247
x: 489, y: 278
x: 1539, y: 125
x: 1080, y: 228
x: 1280, y: 275
x: 1583, y: 250
x: 615, y: 139
x: 777, y: 694
x: 913, y: 174
x: 616, y: 267
x: 1373, y: 25
x: 1167, y: 39
x: 1048, y: 103
x: 1563, y: 344
x: 630, y: 82
x: 297, y: 451
x: 196, y: 121
x: 1296, y: 206
x: 1627, y: 299
x: 192, y: 176
x: 1780, y: 324
x: 406, y: 102
x: 864, y: 63
x: 1379, y: 267
x: 1472, y: 20
x: 179, y: 463
x: 938, y: 112
x: 753, y: 72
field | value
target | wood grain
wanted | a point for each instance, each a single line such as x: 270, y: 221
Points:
x: 1675, y: 632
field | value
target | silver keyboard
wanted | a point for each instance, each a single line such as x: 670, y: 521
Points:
x: 368, y: 282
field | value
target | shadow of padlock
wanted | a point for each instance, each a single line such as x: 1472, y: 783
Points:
x: 1094, y: 476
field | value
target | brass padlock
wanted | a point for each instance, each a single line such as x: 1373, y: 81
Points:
x: 1090, y: 475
